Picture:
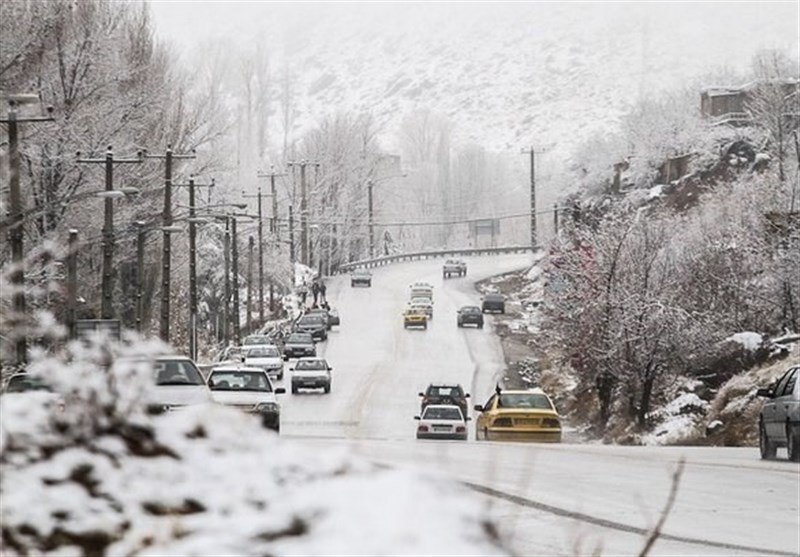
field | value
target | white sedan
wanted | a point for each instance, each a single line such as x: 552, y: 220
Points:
x: 442, y: 421
x: 267, y: 358
x: 311, y: 373
x: 249, y: 389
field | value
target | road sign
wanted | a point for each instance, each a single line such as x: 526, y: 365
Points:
x: 86, y: 328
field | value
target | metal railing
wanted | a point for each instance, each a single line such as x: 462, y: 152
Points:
x: 418, y: 255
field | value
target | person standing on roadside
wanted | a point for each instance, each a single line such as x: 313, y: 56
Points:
x: 323, y: 292
x: 315, y: 291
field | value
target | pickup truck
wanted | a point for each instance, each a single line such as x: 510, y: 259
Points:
x: 454, y: 267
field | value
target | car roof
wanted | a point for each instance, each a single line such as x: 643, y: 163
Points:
x: 532, y: 390
x: 443, y: 406
x: 494, y: 295
x: 310, y: 359
x: 175, y: 357
x: 470, y: 307
x: 237, y: 368
x: 445, y: 385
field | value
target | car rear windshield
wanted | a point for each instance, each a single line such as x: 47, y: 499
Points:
x: 470, y: 309
x: 432, y: 413
x: 177, y: 372
x: 451, y: 391
x: 299, y: 339
x: 23, y: 383
x: 311, y: 320
x: 239, y: 381
x: 494, y: 298
x: 263, y: 352
x: 311, y: 365
x: 524, y: 400
x: 250, y: 341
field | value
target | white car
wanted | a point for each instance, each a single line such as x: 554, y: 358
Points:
x: 268, y: 358
x: 442, y: 421
x: 256, y: 340
x: 178, y: 383
x: 311, y: 373
x: 249, y: 389
x: 422, y: 304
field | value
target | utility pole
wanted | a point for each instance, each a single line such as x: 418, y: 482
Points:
x: 226, y: 312
x: 291, y: 236
x: 533, y: 152
x: 235, y: 270
x: 72, y: 281
x: 140, y: 237
x: 370, y: 185
x: 273, y: 228
x: 303, y: 208
x: 192, y: 186
x: 168, y: 157
x: 250, y: 245
x: 555, y: 218
x: 107, y: 310
x: 15, y: 234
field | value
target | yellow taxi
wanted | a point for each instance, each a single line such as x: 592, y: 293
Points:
x: 525, y: 415
x: 414, y: 317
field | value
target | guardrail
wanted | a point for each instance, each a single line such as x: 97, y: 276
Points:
x: 387, y: 259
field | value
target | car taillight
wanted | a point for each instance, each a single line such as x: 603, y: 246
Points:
x: 460, y: 429
x: 422, y: 428
x: 551, y: 422
x: 502, y: 422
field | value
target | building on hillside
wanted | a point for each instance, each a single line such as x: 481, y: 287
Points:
x: 729, y: 105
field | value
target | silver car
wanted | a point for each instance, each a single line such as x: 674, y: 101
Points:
x: 248, y: 389
x: 779, y: 424
x: 267, y: 358
x: 178, y: 383
x: 311, y: 373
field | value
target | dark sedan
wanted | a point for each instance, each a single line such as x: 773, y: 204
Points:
x: 314, y: 324
x: 470, y: 315
x: 494, y: 303
x: 299, y: 345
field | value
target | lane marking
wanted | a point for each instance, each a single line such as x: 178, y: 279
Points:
x: 610, y: 524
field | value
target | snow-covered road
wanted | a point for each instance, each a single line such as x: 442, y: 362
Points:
x: 563, y: 499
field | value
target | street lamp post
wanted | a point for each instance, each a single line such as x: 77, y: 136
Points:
x: 106, y: 304
x: 371, y: 209
x: 15, y: 210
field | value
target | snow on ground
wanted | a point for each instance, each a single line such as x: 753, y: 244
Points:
x: 748, y: 340
x: 681, y: 420
x: 101, y: 477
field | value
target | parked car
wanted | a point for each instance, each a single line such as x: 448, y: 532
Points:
x: 415, y: 318
x: 25, y: 382
x: 31, y: 390
x: 445, y: 393
x: 266, y: 357
x: 493, y: 303
x: 439, y: 421
x: 421, y: 290
x: 231, y: 354
x: 256, y: 340
x: 330, y: 315
x: 518, y: 415
x: 454, y: 267
x: 178, y: 383
x: 314, y: 324
x: 249, y: 389
x: 470, y: 315
x: 361, y: 276
x: 779, y: 422
x: 299, y: 345
x: 311, y: 373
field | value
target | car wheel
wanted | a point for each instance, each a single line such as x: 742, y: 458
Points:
x: 792, y: 443
x: 352, y: 284
x: 327, y: 389
x: 480, y: 325
x: 425, y: 327
x: 767, y: 447
x: 294, y: 390
x: 280, y: 376
x: 483, y: 310
x: 458, y: 323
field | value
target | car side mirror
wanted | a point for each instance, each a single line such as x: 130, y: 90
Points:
x: 469, y: 418
x: 242, y: 359
x: 466, y: 395
x: 478, y: 408
x: 280, y: 391
x: 330, y: 368
x: 417, y: 418
x: 765, y: 392
x: 421, y: 394
x: 210, y: 383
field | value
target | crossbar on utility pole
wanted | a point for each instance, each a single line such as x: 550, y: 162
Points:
x: 168, y: 157
x: 107, y: 288
x: 533, y: 152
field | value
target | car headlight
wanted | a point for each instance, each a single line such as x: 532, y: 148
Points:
x: 268, y: 407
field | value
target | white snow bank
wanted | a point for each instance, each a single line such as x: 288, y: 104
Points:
x: 748, y: 340
x: 102, y: 477
x: 682, y: 420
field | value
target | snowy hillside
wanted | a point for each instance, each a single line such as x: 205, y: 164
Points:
x: 507, y: 75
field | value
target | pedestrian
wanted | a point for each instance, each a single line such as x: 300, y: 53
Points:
x: 315, y: 291
x: 322, y: 291
x: 303, y: 291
